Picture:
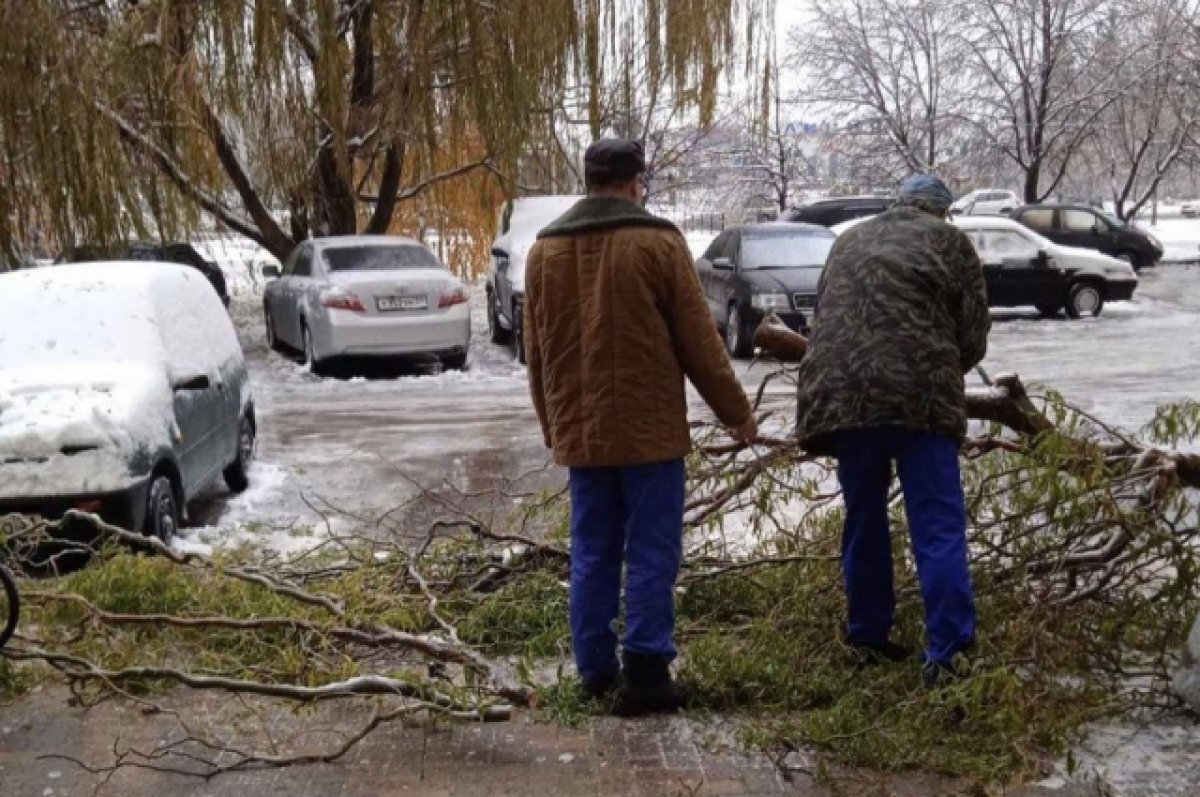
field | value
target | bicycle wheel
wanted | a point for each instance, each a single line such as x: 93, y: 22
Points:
x: 10, y: 606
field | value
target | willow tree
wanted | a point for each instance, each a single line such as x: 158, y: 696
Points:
x: 282, y: 119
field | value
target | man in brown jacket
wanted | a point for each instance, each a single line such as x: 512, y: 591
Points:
x: 614, y: 321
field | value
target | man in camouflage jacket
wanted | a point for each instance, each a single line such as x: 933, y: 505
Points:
x: 902, y: 316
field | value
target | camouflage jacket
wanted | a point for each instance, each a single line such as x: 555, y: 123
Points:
x: 902, y: 315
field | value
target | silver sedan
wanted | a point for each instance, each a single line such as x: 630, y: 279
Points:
x: 367, y: 296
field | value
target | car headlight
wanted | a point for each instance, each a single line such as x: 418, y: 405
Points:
x: 1154, y: 240
x: 770, y: 302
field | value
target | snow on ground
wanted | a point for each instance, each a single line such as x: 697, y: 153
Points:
x: 1136, y: 356
x: 1180, y: 238
x: 1131, y: 759
x: 253, y: 519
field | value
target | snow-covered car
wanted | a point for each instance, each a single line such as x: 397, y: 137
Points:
x: 1024, y: 268
x: 367, y: 296
x: 123, y: 391
x: 986, y: 202
x: 1190, y: 210
x: 520, y: 222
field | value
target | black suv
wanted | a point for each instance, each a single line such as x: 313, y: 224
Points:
x: 184, y: 254
x: 1087, y: 227
x: 830, y: 212
x: 750, y: 272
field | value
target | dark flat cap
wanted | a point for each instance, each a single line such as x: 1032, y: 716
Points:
x: 614, y: 160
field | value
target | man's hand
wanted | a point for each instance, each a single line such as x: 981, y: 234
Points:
x: 746, y: 432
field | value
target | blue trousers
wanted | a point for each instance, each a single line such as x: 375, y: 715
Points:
x: 624, y: 516
x: 933, y: 499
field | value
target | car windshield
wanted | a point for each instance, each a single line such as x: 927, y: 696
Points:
x: 379, y: 258
x: 785, y: 251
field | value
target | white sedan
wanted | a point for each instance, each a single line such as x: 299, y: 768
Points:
x: 367, y: 296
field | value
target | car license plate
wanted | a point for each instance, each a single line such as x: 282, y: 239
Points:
x: 392, y: 303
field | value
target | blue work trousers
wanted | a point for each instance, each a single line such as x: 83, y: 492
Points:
x: 629, y: 516
x: 933, y: 499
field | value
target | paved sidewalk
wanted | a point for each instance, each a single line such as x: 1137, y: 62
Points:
x: 655, y: 757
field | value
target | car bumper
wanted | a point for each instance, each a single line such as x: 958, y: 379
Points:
x: 354, y: 335
x: 125, y: 508
x: 1119, y: 290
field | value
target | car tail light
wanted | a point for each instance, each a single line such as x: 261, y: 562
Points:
x: 456, y: 296
x: 338, y: 299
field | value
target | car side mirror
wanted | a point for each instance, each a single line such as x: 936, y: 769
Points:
x: 1098, y: 229
x: 189, y: 383
x: 1042, y: 260
x: 723, y: 264
x: 271, y: 271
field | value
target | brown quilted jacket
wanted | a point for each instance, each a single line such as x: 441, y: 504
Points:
x: 902, y: 315
x: 614, y: 319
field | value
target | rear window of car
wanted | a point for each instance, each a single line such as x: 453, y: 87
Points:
x: 1039, y: 219
x: 785, y: 251
x: 379, y: 258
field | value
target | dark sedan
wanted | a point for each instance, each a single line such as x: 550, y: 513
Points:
x: 751, y: 272
x: 1086, y: 227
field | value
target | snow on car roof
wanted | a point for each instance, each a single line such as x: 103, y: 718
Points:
x: 995, y: 222
x: 530, y: 214
x: 365, y: 240
x: 104, y: 312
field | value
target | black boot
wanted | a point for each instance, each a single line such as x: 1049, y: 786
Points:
x: 939, y: 674
x: 876, y: 653
x: 646, y: 687
x: 598, y: 688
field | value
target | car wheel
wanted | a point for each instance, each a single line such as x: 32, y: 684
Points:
x: 237, y: 475
x: 737, y: 341
x: 310, y: 353
x: 498, y: 334
x: 1049, y: 309
x: 518, y: 336
x: 1085, y: 298
x: 1132, y: 259
x: 162, y: 510
x: 272, y: 338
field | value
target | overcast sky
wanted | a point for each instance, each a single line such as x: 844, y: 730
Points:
x: 788, y: 14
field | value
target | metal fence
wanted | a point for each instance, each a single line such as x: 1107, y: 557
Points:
x: 701, y: 222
